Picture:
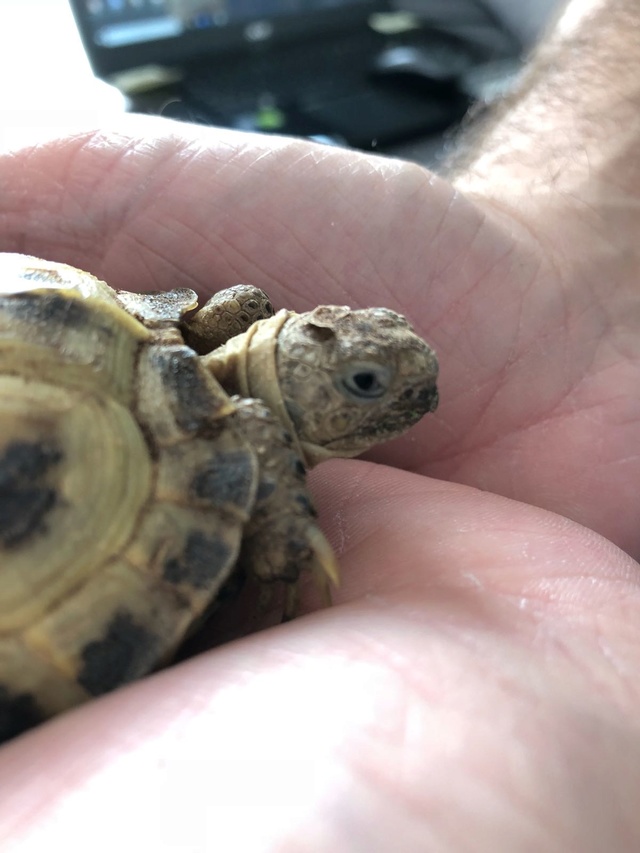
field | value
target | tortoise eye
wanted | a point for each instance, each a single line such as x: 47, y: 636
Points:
x: 365, y: 382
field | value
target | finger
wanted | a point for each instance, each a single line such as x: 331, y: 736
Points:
x: 299, y: 732
x: 400, y: 535
x: 155, y: 204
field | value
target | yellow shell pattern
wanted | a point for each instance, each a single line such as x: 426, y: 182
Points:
x: 120, y: 477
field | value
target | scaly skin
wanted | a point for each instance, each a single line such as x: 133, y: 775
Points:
x: 342, y: 381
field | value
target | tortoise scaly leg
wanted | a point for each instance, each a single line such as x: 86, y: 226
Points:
x: 228, y: 313
x: 282, y: 539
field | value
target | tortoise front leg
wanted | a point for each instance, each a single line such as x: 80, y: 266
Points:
x: 282, y: 540
x: 228, y: 313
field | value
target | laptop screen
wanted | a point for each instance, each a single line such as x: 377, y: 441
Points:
x: 123, y: 34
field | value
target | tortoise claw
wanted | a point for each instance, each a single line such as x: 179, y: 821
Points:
x: 323, y: 566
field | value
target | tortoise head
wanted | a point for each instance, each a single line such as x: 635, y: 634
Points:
x: 352, y: 379
x: 340, y: 380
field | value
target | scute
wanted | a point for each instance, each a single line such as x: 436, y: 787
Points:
x: 170, y: 546
x: 67, y: 329
x: 31, y: 689
x: 25, y: 274
x: 192, y: 401
x: 203, y: 559
x: 82, y: 634
x: 123, y: 491
x: 25, y: 495
x: 80, y: 511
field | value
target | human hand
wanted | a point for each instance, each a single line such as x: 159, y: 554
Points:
x: 475, y: 685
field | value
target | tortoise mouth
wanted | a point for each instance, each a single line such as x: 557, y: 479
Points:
x: 424, y: 401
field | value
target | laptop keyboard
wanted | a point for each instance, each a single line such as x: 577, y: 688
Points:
x: 302, y: 74
x: 321, y: 88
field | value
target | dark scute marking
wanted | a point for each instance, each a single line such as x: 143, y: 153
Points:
x: 127, y: 651
x: 305, y: 502
x: 51, y: 308
x: 194, y: 402
x: 298, y: 467
x: 227, y: 478
x: 18, y: 713
x: 265, y: 490
x: 25, y: 499
x: 200, y: 563
x: 24, y: 459
x: 22, y: 517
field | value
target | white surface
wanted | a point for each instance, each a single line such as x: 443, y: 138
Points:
x: 46, y: 79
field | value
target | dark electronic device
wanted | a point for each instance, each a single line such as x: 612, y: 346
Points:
x: 302, y: 67
x: 433, y: 66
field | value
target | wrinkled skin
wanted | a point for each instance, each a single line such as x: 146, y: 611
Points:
x: 476, y: 685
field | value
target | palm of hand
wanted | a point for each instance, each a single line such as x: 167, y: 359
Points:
x: 466, y: 620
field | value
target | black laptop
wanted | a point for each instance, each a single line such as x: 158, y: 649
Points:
x: 302, y: 67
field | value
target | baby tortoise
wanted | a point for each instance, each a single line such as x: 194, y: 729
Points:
x: 147, y: 452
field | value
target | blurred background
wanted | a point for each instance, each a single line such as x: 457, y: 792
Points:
x: 392, y: 77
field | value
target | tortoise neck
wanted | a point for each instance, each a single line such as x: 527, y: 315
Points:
x: 247, y: 365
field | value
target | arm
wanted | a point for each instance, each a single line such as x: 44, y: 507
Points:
x: 574, y: 119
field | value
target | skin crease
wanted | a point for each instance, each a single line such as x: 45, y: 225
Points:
x: 475, y: 687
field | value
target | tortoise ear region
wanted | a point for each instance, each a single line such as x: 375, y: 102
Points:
x: 321, y: 323
x: 326, y: 316
x: 320, y: 333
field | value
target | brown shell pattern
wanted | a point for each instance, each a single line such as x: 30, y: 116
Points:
x: 103, y: 566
